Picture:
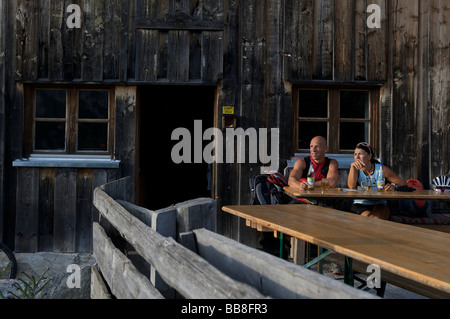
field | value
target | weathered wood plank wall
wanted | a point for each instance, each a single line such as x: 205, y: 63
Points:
x: 174, y: 39
x: 147, y: 40
x: 254, y: 51
x: 327, y: 40
x: 419, y: 84
x: 54, y: 209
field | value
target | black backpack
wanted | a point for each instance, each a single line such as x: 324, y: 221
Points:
x: 268, y: 190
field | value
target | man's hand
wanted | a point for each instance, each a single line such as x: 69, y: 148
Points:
x: 303, y: 184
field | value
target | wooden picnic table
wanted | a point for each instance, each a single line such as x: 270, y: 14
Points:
x: 420, y: 255
x: 346, y: 193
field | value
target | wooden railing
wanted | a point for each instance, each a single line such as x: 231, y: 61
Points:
x: 202, y: 265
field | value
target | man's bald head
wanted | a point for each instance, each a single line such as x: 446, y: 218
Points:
x: 318, y: 148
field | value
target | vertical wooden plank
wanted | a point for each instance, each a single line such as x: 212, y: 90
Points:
x: 253, y: 67
x: 126, y: 143
x: 55, y: 70
x: 344, y: 41
x: 43, y: 36
x: 212, y: 46
x: 146, y: 55
x: 126, y: 50
x: 72, y: 44
x: 405, y: 68
x: 299, y: 39
x: 323, y: 39
x: 360, y: 40
x: 65, y: 218
x: 195, y: 55
x: 439, y: 87
x: 12, y: 125
x: 179, y: 40
x: 27, y: 40
x: 46, y: 208
x: 93, y: 40
x: 178, y: 56
x: 3, y: 13
x: 84, y: 216
x: 27, y: 210
x: 112, y: 39
x: 146, y: 9
x: 278, y: 114
x: 228, y: 94
x: 423, y: 115
x: 377, y: 49
x: 212, y: 56
x: 163, y: 55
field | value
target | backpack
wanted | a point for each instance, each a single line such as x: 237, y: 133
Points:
x: 268, y: 190
x: 414, y: 208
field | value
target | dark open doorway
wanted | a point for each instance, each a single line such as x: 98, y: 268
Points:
x: 163, y: 109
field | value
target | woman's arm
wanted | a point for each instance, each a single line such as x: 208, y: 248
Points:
x: 353, y: 175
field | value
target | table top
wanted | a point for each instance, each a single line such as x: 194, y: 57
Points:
x: 344, y: 193
x: 415, y: 253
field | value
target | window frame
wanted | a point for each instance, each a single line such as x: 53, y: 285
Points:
x: 71, y: 120
x: 334, y: 118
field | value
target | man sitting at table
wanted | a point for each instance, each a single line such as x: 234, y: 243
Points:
x: 324, y: 167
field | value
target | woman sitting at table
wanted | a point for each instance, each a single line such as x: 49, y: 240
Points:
x: 364, y: 166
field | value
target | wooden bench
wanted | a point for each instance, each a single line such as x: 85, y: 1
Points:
x: 215, y: 267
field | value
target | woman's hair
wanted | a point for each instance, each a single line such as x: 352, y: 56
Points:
x: 366, y: 147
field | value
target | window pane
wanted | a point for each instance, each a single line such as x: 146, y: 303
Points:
x: 313, y: 103
x: 51, y: 104
x: 50, y: 136
x: 353, y: 133
x: 355, y: 104
x: 308, y: 130
x: 93, y: 105
x: 92, y: 136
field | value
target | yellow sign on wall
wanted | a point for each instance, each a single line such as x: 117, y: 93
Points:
x: 228, y: 110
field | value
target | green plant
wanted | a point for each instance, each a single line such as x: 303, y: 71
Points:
x: 28, y: 288
x: 5, y: 270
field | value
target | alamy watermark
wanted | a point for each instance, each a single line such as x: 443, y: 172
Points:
x: 374, y: 20
x: 74, y: 20
x: 374, y: 280
x: 74, y: 279
x: 227, y: 147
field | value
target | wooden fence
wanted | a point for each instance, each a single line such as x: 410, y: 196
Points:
x: 201, y: 264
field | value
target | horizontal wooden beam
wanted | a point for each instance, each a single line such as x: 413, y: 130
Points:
x: 124, y: 280
x: 182, y: 269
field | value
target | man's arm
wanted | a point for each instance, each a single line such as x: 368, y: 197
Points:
x: 333, y: 173
x: 296, y: 174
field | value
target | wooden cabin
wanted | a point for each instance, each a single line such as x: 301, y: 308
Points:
x: 83, y: 104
